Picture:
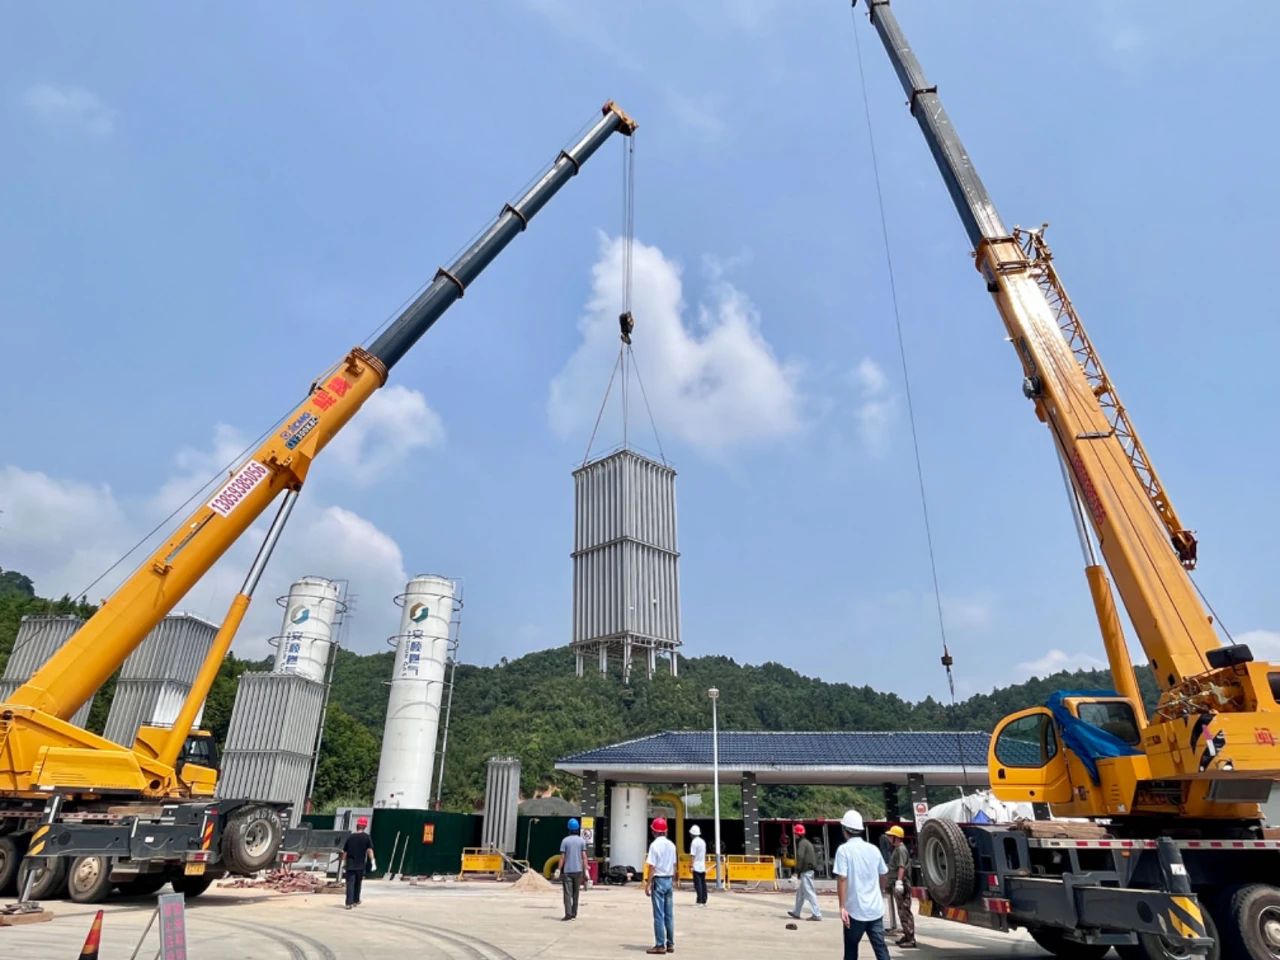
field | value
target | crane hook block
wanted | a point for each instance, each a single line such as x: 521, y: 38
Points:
x: 626, y: 323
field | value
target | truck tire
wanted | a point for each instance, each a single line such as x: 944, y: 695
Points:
x: 143, y: 885
x: 1153, y: 947
x: 1253, y: 923
x: 89, y: 879
x: 11, y: 851
x: 251, y: 839
x: 946, y: 861
x: 191, y: 886
x: 1056, y: 942
x: 51, y: 877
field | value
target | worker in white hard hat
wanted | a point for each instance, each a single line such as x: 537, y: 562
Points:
x: 899, y: 876
x: 698, y: 853
x: 861, y: 875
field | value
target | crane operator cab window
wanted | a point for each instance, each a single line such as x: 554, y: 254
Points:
x: 1114, y: 716
x: 200, y: 750
x: 1029, y: 741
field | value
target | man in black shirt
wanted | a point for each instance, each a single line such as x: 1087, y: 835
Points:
x: 357, y: 854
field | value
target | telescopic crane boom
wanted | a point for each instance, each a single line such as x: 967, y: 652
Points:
x: 1214, y: 700
x: 39, y: 747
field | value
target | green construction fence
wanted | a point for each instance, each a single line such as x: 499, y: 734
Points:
x: 432, y: 841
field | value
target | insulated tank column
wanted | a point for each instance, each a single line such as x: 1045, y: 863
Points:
x: 417, y: 684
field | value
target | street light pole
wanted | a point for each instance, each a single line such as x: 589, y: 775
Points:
x: 714, y: 694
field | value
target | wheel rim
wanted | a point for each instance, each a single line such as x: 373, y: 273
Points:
x: 86, y: 873
x: 936, y: 860
x: 257, y: 838
x: 38, y: 873
x: 1170, y: 951
x: 1269, y: 927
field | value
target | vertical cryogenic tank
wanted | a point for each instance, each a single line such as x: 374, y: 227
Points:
x: 156, y: 678
x: 628, y: 827
x: 311, y: 610
x: 501, y: 803
x: 417, y: 682
x: 38, y: 639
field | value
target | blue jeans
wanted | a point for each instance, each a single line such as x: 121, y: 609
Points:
x: 874, y: 929
x: 664, y: 914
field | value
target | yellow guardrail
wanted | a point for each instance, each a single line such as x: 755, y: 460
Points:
x: 686, y: 869
x: 481, y: 860
x: 746, y: 868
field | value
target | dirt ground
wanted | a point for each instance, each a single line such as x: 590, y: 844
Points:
x: 479, y: 920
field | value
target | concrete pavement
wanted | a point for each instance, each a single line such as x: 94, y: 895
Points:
x: 481, y: 920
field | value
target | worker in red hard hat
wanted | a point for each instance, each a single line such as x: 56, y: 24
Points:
x: 659, y: 876
x: 357, y: 855
x: 806, y: 866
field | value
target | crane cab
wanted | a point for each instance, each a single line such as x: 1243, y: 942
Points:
x: 1080, y: 754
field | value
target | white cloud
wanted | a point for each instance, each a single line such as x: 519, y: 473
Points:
x: 392, y: 424
x: 876, y: 409
x: 1056, y: 660
x: 323, y: 541
x: 64, y: 533
x: 70, y: 106
x: 60, y: 533
x: 196, y: 467
x: 1263, y: 644
x: 715, y: 384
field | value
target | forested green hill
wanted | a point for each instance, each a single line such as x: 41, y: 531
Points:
x: 535, y: 708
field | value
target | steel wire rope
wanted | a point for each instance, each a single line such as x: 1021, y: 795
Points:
x: 648, y: 409
x: 906, y: 380
x: 217, y: 475
x: 603, y: 402
x: 386, y: 322
x: 625, y: 362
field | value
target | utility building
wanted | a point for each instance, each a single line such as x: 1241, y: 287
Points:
x: 626, y: 583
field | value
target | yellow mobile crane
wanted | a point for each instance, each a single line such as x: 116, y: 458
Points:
x: 1179, y: 790
x: 139, y: 816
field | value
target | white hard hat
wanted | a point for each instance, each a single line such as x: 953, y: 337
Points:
x: 852, y: 820
x: 695, y: 831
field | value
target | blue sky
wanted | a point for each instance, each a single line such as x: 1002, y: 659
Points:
x: 204, y: 207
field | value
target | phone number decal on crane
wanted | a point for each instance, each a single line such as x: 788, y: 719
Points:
x: 238, y: 487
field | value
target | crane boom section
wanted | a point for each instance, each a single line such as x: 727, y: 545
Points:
x: 1161, y: 601
x: 70, y: 676
x: 85, y: 662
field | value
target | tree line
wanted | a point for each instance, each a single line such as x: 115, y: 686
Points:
x: 535, y: 708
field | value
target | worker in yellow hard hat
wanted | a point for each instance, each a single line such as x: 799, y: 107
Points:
x: 899, y: 875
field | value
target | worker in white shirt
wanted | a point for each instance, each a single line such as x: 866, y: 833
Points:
x: 698, y: 851
x: 659, y: 875
x: 860, y: 886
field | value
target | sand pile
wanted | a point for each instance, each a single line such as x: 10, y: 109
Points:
x: 533, y: 883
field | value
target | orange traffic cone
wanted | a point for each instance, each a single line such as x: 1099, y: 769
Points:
x: 90, y: 949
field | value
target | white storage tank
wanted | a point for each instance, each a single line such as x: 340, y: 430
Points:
x: 311, y: 610
x: 417, y: 684
x: 628, y: 827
